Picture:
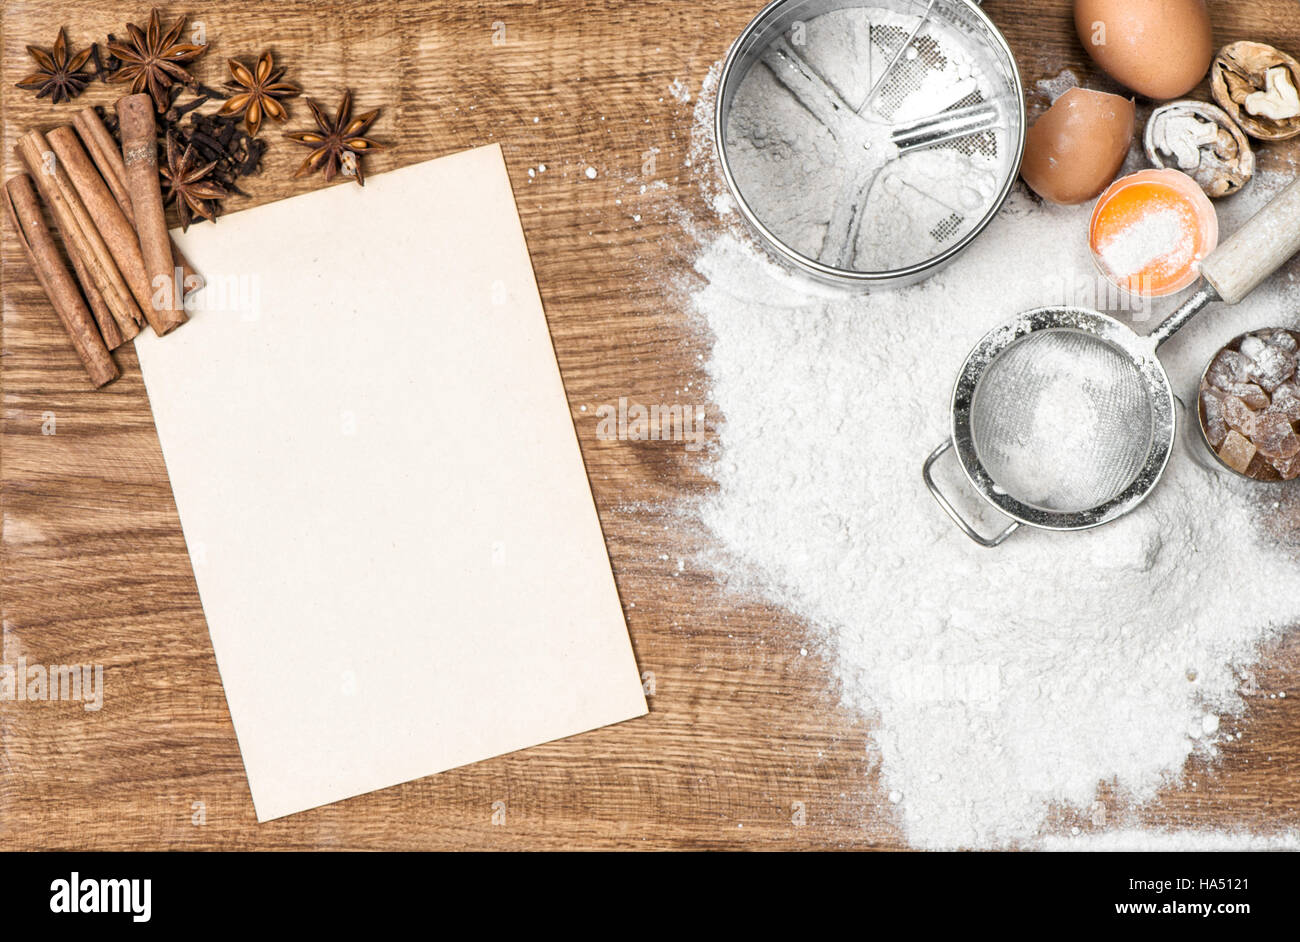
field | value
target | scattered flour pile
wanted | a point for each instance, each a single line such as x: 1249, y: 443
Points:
x: 1000, y: 683
x: 1177, y: 841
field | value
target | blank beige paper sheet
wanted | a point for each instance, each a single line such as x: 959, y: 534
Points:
x: 381, y: 489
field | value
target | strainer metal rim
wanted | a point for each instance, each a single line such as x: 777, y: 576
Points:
x: 843, y: 276
x: 1159, y: 391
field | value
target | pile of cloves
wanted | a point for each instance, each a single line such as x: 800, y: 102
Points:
x: 220, y: 140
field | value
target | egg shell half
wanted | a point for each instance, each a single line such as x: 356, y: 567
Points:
x: 1158, y: 48
x: 1078, y: 146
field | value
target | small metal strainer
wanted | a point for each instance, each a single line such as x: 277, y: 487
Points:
x: 1063, y: 419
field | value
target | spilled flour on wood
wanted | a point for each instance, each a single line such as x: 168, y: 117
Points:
x: 1001, y: 685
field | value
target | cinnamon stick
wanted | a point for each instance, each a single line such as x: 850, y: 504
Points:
x: 139, y: 133
x: 108, y: 328
x: 117, y: 233
x: 103, y: 151
x: 79, y: 232
x: 24, y: 210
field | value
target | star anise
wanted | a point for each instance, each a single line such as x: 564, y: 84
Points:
x: 153, y: 59
x: 257, y: 93
x: 338, y: 143
x: 61, y: 77
x: 186, y: 182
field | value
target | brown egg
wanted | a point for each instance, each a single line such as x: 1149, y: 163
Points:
x: 1158, y: 48
x: 1078, y: 146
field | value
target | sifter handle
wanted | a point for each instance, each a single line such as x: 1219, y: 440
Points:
x: 1257, y: 249
x: 989, y: 542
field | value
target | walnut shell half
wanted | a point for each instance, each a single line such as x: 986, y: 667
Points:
x: 1203, y: 142
x: 1259, y: 87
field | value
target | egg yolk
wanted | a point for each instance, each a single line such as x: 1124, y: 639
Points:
x: 1148, y: 237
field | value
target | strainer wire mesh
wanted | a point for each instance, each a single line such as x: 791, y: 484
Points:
x: 1062, y: 420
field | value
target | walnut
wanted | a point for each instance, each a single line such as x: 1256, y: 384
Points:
x: 1281, y: 101
x: 1259, y: 87
x: 1203, y: 142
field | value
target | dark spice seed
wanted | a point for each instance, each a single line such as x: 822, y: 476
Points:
x: 213, y: 138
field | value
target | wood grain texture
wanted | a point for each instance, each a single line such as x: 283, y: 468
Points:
x: 744, y: 728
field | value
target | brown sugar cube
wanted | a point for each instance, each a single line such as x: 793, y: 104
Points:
x: 1286, y: 401
x: 1289, y: 468
x: 1237, y: 451
x: 1261, y: 470
x: 1252, y: 346
x: 1239, y: 416
x: 1284, y: 340
x: 1272, y: 367
x: 1274, y: 437
x: 1229, y: 367
x: 1251, y: 395
x: 1216, y: 429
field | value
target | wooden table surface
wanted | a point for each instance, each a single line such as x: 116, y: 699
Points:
x: 746, y: 744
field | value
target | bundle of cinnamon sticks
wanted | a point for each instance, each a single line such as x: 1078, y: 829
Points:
x: 108, y: 207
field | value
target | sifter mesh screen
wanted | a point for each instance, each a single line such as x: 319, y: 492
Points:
x: 1061, y: 420
x: 909, y: 74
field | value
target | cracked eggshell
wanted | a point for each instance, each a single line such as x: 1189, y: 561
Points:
x: 1078, y: 146
x: 1158, y: 48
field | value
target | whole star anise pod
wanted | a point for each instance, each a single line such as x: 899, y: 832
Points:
x: 257, y: 93
x: 61, y: 77
x: 186, y: 182
x: 338, y: 143
x: 153, y: 59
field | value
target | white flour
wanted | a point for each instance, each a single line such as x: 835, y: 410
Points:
x: 1160, y: 235
x: 1002, y: 684
x: 1179, y: 841
x: 1049, y: 466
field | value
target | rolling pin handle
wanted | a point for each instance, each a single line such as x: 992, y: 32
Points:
x: 1256, y: 250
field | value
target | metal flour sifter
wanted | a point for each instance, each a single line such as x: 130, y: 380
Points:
x: 868, y: 143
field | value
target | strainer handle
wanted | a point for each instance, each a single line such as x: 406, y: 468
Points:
x: 1257, y: 249
x: 951, y: 511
